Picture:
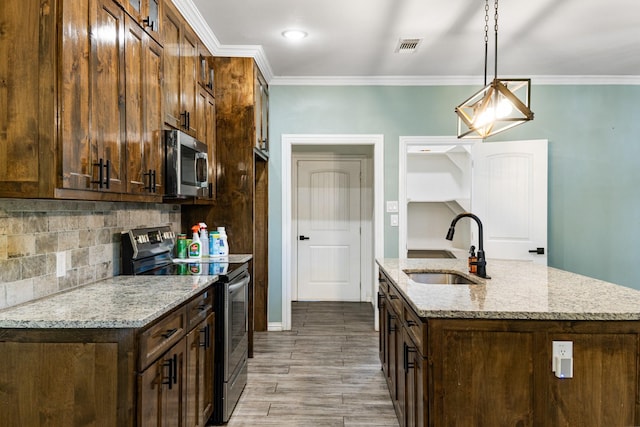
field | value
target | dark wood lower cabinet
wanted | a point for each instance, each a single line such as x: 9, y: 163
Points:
x: 157, y: 375
x: 463, y: 372
x: 200, y: 373
x: 43, y: 384
x: 163, y: 390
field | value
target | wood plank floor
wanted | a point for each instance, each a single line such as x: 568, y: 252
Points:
x: 324, y: 372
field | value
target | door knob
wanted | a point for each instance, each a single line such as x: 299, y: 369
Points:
x: 304, y: 238
x: 538, y: 251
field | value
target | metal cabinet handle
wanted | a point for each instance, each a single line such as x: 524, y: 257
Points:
x: 187, y: 119
x: 538, y: 251
x: 102, y: 167
x: 149, y: 23
x: 169, y: 379
x: 304, y: 238
x: 411, y: 323
x: 150, y: 187
x: 407, y: 364
x: 207, y: 337
x: 169, y: 333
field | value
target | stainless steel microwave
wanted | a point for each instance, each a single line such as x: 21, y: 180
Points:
x: 187, y: 165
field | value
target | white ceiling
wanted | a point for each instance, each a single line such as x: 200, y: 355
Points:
x: 357, y: 38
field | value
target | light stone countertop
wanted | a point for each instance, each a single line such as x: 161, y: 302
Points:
x: 516, y: 290
x: 118, y: 302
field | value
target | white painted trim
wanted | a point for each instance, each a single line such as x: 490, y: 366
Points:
x: 288, y: 140
x: 193, y: 16
x: 444, y: 80
x: 274, y: 327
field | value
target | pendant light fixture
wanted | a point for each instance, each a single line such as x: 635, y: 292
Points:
x: 501, y: 104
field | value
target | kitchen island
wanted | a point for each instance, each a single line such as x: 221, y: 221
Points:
x: 481, y: 354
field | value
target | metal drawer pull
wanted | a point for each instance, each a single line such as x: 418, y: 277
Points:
x: 169, y: 333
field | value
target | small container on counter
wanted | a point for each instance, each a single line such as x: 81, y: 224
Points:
x: 181, y: 246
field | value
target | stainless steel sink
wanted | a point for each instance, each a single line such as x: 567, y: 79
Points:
x: 440, y: 278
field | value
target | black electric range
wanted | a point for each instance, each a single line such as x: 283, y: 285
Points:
x: 149, y: 251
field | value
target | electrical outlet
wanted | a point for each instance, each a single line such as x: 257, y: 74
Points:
x: 562, y: 359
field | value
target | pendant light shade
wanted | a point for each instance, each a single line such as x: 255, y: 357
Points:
x: 500, y: 105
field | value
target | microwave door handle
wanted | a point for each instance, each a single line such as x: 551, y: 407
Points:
x: 201, y: 156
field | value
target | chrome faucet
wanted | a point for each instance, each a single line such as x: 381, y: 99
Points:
x: 481, y: 263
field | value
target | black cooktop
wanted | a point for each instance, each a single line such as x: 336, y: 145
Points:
x: 201, y: 268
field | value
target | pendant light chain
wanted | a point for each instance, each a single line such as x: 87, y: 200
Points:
x: 495, y: 7
x: 486, y: 37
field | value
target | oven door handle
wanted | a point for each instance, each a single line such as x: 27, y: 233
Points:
x: 234, y: 286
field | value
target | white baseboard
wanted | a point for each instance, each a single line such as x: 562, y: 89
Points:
x: 274, y: 327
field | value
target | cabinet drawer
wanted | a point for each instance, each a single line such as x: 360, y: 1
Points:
x: 416, y: 329
x: 396, y: 300
x: 199, y: 308
x: 382, y: 282
x: 160, y: 337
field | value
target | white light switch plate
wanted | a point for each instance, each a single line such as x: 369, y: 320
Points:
x: 394, y: 220
x: 392, y: 206
x: 61, y: 264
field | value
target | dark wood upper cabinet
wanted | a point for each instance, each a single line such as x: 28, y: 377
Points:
x: 77, y: 70
x: 92, y: 114
x: 146, y: 13
x: 143, y: 58
x: 180, y: 71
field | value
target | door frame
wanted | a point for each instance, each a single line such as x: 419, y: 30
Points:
x: 403, y: 147
x: 288, y: 141
x: 365, y: 235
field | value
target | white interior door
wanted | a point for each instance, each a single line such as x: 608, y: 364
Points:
x: 509, y: 195
x: 328, y: 218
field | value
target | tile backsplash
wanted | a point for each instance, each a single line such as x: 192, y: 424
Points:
x: 39, y: 237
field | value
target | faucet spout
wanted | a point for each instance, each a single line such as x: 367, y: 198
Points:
x: 482, y: 262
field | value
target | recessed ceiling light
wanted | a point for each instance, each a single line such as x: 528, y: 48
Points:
x: 294, y: 34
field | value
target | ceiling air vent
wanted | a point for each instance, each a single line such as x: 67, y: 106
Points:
x: 407, y: 45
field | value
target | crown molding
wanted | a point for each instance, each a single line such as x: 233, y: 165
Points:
x: 193, y: 16
x: 444, y: 80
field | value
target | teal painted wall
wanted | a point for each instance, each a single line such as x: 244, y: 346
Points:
x: 594, y: 159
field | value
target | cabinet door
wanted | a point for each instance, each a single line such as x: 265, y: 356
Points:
x: 261, y: 111
x: 20, y: 108
x: 171, y: 30
x: 205, y: 69
x: 415, y: 373
x: 75, y: 97
x: 143, y: 59
x: 189, y: 75
x: 206, y: 133
x: 200, y: 373
x: 106, y: 74
x: 396, y: 369
x: 383, y: 344
x: 162, y: 390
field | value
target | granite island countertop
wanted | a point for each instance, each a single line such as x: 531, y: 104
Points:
x: 117, y: 302
x: 516, y: 290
